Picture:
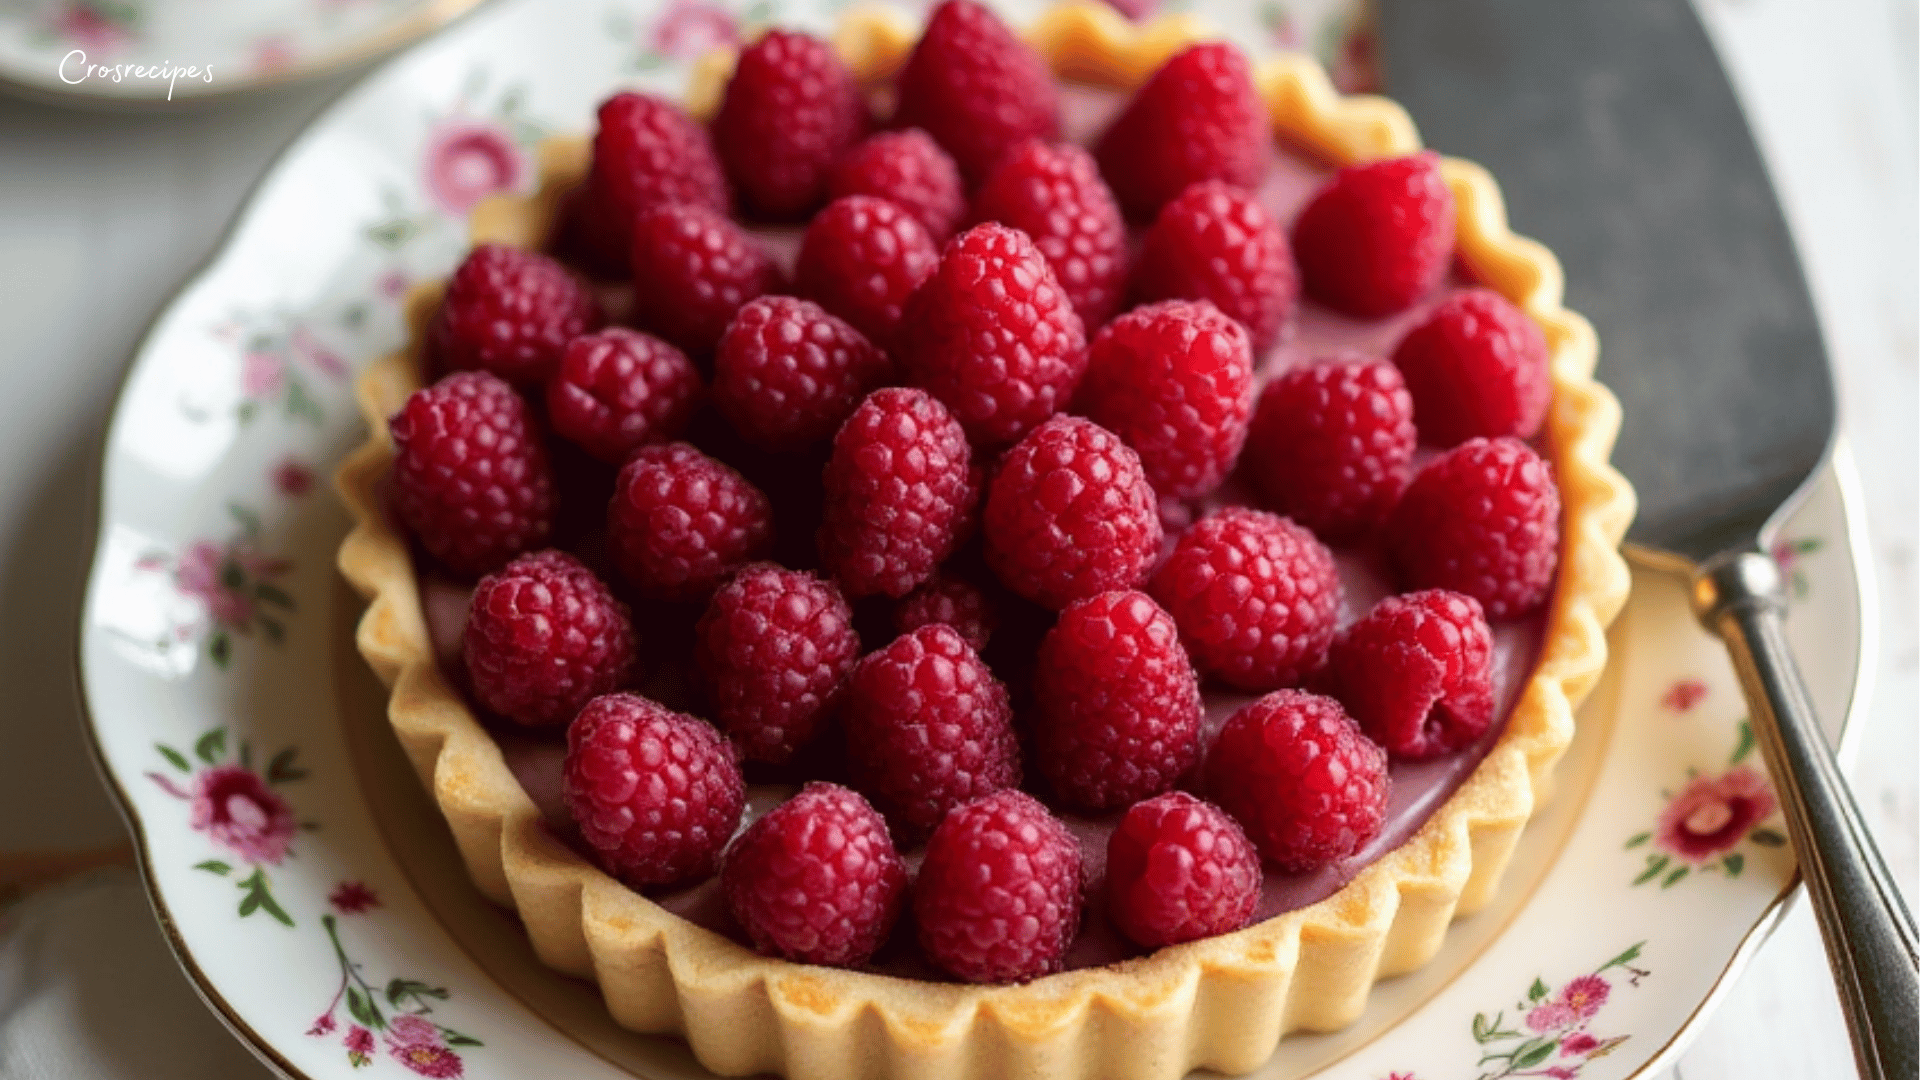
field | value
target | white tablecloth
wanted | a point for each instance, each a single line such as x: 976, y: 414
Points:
x: 102, y: 217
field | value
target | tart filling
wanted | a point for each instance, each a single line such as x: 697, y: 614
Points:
x: 1323, y: 935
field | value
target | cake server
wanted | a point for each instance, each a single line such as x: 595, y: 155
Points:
x: 1619, y: 143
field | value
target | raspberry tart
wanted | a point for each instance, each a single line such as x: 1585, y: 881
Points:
x: 1078, y: 610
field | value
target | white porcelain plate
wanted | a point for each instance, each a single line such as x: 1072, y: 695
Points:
x: 308, y: 885
x: 108, y: 51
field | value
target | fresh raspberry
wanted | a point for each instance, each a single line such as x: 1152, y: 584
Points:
x: 692, y: 269
x: 1055, y: 195
x: 774, y: 646
x: 1296, y: 771
x: 928, y: 728
x: 1481, y: 519
x: 1417, y: 673
x: 1331, y: 445
x: 993, y: 335
x: 862, y: 259
x: 897, y: 489
x: 1476, y: 367
x: 656, y: 793
x: 787, y: 374
x: 1198, y: 118
x: 470, y: 476
x: 1175, y: 380
x: 907, y: 168
x: 647, y: 152
x: 1180, y: 869
x: 998, y: 897
x: 1377, y: 237
x: 620, y: 389
x: 816, y: 880
x: 1256, y: 597
x: 544, y: 637
x: 510, y: 312
x: 792, y: 108
x: 1218, y: 243
x: 974, y: 86
x: 1118, y: 702
x: 949, y: 601
x: 680, y: 522
x: 1070, y: 514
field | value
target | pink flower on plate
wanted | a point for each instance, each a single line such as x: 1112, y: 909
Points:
x: 688, y: 29
x: 410, y: 1030
x: 262, y: 374
x: 415, y: 1042
x: 1551, y: 1016
x: 1585, y: 995
x: 1560, y: 1072
x: 392, y: 284
x: 1684, y: 694
x: 202, y: 573
x: 352, y: 898
x: 315, y: 352
x: 274, y: 52
x: 359, y: 1045
x: 1577, y: 1044
x: 241, y: 813
x: 1712, y: 815
x: 88, y: 26
x: 291, y: 477
x: 322, y: 1026
x: 468, y: 160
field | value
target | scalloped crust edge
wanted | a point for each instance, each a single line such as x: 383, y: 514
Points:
x: 1221, y: 1003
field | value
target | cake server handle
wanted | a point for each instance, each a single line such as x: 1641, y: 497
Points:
x: 1868, y: 931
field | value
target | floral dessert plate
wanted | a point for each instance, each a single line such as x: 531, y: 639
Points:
x: 309, y: 885
x: 151, y: 50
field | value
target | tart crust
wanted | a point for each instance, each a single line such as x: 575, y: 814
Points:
x: 1221, y: 1003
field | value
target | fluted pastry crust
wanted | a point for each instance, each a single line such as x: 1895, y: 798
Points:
x: 1220, y: 1003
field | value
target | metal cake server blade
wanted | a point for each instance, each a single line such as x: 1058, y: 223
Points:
x: 1618, y: 142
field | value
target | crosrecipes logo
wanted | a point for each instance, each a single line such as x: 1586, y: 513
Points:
x: 75, y: 70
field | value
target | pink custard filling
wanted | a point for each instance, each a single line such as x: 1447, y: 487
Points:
x: 1418, y: 788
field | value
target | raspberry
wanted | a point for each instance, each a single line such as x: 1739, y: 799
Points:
x: 692, y: 269
x: 1476, y: 367
x: 897, y: 492
x: 1296, y: 771
x: 1331, y: 445
x: 655, y: 792
x: 998, y: 897
x: 592, y: 235
x: 976, y: 88
x: 1118, y: 702
x: 1179, y: 869
x: 1417, y: 673
x: 791, y: 109
x: 1256, y: 597
x: 647, y: 152
x: 862, y: 259
x: 1055, y: 195
x: 620, y: 389
x: 544, y: 637
x: 680, y: 522
x: 1070, y: 514
x: 1218, y: 243
x: 1175, y: 380
x: 470, y: 476
x: 817, y: 879
x: 909, y: 169
x: 1481, y: 519
x: 510, y: 312
x: 1377, y: 237
x: 993, y: 336
x: 928, y: 728
x: 773, y: 647
x: 950, y: 601
x: 787, y: 374
x: 1198, y: 118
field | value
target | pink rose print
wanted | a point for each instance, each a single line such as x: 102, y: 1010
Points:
x: 468, y: 160
x: 261, y: 374
x: 95, y: 26
x: 238, y: 584
x: 359, y: 1042
x: 422, y: 1045
x: 1712, y: 815
x: 1684, y: 694
x: 1585, y: 995
x: 242, y: 814
x: 201, y: 573
x: 291, y: 477
x: 352, y: 898
x: 1553, y: 1016
x: 315, y: 352
x: 1577, y: 1044
x: 688, y: 29
x: 1551, y: 1025
x: 322, y: 1026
